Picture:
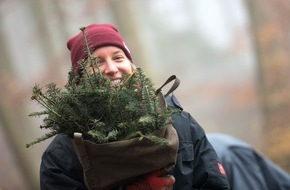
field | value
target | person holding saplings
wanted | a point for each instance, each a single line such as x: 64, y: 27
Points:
x: 176, y: 156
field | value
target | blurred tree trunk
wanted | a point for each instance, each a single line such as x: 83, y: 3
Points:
x: 11, y: 117
x: 37, y: 10
x: 271, y: 28
x: 62, y: 25
x: 128, y: 27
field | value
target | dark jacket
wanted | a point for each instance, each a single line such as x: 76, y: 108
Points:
x: 196, y: 167
x: 246, y: 168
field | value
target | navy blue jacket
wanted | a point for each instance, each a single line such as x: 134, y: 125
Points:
x: 246, y: 168
x: 196, y: 166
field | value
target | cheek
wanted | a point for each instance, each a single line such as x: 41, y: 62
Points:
x: 126, y: 68
x: 101, y: 69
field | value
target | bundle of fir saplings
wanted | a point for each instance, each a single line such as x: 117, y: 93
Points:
x: 101, y: 110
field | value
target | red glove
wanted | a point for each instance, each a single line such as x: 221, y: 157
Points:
x: 153, y: 181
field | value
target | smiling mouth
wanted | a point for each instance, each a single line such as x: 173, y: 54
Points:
x: 116, y: 81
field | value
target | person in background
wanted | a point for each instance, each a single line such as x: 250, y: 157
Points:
x: 197, y: 165
x: 247, y: 169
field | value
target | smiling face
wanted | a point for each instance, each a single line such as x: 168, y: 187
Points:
x: 112, y: 63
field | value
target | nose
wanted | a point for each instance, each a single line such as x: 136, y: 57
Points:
x: 110, y: 68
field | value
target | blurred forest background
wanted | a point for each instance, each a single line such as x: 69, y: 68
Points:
x: 232, y: 57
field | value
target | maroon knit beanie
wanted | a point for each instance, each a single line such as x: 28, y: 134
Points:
x: 98, y: 35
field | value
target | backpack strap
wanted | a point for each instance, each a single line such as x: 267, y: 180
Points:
x: 173, y: 87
